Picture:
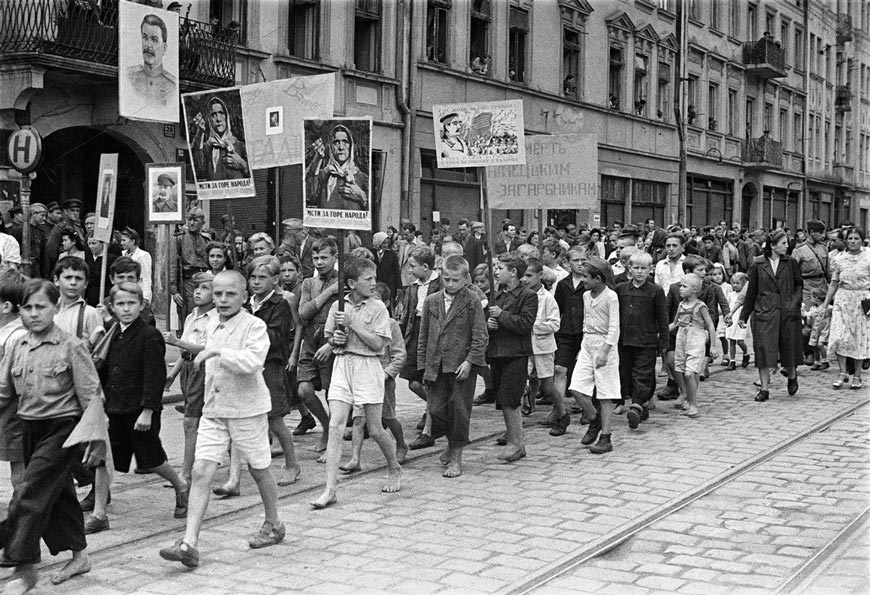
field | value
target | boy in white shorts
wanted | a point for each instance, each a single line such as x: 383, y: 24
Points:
x: 237, y: 402
x: 357, y: 335
x: 597, y: 367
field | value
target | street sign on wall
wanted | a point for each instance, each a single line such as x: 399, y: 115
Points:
x: 24, y: 149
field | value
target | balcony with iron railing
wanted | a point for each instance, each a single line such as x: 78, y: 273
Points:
x: 762, y: 153
x: 764, y: 58
x: 53, y: 31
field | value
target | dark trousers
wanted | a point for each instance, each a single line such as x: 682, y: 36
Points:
x: 44, y: 504
x: 449, y: 403
x: 637, y: 373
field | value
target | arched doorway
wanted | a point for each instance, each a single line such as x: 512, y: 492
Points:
x: 748, y: 205
x: 70, y: 167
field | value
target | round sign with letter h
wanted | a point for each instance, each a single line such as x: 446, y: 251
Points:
x: 24, y: 149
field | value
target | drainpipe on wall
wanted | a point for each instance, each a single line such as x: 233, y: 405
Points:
x: 679, y: 109
x: 404, y: 96
x: 802, y: 209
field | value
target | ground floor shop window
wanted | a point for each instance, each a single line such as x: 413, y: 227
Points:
x: 708, y: 201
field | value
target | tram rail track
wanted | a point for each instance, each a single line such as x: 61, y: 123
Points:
x: 625, y: 533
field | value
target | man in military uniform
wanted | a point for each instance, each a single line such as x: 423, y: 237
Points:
x: 38, y: 257
x: 165, y: 200
x: 188, y: 259
x: 153, y: 84
x: 812, y: 256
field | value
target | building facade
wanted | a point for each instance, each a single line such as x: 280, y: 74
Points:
x: 772, y: 99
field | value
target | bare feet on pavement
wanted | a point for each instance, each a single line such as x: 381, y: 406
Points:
x: 327, y: 498
x: 394, y: 480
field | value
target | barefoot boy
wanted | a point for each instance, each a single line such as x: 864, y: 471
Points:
x: 392, y: 359
x: 236, y: 403
x: 358, y: 336
x: 192, y: 381
x: 451, y: 347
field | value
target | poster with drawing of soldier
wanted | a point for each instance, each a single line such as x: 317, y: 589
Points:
x: 479, y: 134
x: 217, y: 141
x: 147, y: 63
x: 337, y: 168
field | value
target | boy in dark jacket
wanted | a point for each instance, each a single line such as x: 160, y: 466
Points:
x: 133, y: 378
x: 512, y: 312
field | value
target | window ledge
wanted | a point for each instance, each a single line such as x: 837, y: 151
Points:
x: 285, y: 58
x: 647, y: 7
x: 717, y: 32
x: 734, y: 40
x: 696, y: 22
x: 667, y: 15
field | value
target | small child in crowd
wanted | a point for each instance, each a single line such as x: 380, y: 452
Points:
x: 819, y: 317
x: 125, y: 269
x: 736, y: 336
x: 237, y: 401
x: 719, y: 277
x: 542, y: 368
x: 192, y: 380
x: 357, y: 335
x: 692, y: 323
x: 597, y: 368
x: 291, y: 288
x: 392, y: 359
x: 74, y: 316
x: 452, y: 346
x: 133, y: 378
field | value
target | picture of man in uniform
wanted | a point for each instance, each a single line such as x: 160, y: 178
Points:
x: 149, y: 81
x: 165, y: 198
x: 452, y: 144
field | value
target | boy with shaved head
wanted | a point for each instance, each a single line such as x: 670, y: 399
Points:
x: 237, y: 402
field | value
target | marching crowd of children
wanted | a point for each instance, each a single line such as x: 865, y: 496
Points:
x: 540, y: 326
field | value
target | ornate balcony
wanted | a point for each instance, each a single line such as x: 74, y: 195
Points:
x: 764, y: 58
x: 762, y: 153
x: 83, y: 31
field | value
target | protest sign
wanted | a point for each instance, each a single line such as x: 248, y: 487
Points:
x: 479, y: 134
x: 107, y: 187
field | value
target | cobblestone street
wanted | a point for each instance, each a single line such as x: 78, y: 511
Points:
x: 745, y: 497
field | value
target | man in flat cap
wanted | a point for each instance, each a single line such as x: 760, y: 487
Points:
x: 452, y: 144
x: 38, y: 257
x: 16, y: 223
x: 165, y: 197
x: 812, y: 256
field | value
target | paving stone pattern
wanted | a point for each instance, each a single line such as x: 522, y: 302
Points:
x: 500, y: 525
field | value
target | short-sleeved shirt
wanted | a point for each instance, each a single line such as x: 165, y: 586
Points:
x: 374, y: 316
x: 195, y: 326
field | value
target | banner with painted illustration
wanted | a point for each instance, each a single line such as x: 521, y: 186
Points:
x: 561, y: 172
x: 107, y: 188
x: 273, y: 114
x: 147, y: 63
x: 218, y: 149
x: 337, y: 167
x: 479, y: 134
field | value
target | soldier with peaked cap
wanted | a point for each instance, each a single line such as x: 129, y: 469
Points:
x: 812, y: 256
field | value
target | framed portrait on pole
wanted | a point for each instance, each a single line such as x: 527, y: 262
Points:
x: 165, y: 192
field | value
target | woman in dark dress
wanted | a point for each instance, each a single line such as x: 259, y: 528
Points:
x: 773, y: 298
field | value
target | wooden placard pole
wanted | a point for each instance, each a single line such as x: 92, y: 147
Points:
x: 165, y: 237
x: 487, y: 213
x: 340, y: 272
x: 103, y: 268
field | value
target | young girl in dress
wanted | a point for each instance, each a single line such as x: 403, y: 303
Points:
x: 736, y: 336
x: 720, y: 278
